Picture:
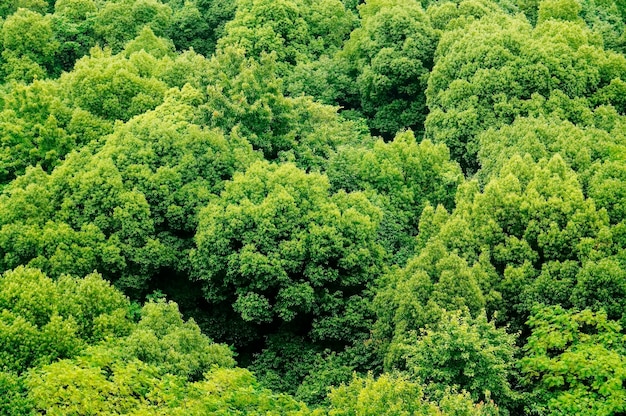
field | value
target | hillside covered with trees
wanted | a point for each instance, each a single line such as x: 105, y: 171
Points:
x: 313, y: 207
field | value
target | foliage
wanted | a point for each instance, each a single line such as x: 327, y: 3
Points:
x: 402, y: 177
x: 395, y: 395
x: 574, y: 361
x: 467, y: 92
x: 223, y: 154
x: 279, y: 248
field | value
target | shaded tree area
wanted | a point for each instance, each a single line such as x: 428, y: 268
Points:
x: 387, y: 207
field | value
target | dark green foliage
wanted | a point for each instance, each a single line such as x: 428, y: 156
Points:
x: 200, y: 23
x: 381, y: 72
x: 390, y: 56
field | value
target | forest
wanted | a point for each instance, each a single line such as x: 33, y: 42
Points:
x: 313, y: 207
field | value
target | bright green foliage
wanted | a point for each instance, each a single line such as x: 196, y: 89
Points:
x: 147, y: 369
x: 115, y: 87
x: 541, y: 137
x: 522, y: 240
x: 42, y: 320
x: 418, y: 295
x: 465, y: 353
x: 246, y: 97
x: 498, y: 68
x: 395, y: 395
x: 296, y: 30
x: 163, y: 339
x: 29, y: 46
x: 575, y: 362
x: 38, y: 128
x: 13, y: 400
x: 603, y: 17
x: 558, y: 9
x: 451, y: 15
x: 128, y: 210
x: 401, y: 176
x: 117, y: 22
x: 278, y: 246
x: 147, y: 41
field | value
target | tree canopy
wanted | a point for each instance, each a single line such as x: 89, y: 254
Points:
x: 299, y: 207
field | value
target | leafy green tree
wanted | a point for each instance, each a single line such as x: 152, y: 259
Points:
x: 526, y: 238
x: 278, y: 248
x: 418, y: 295
x: 246, y: 97
x: 117, y: 22
x: 150, y: 367
x: 392, y: 394
x: 9, y: 7
x: 13, y: 396
x: 128, y: 210
x: 115, y: 87
x: 465, y: 353
x: 401, y: 176
x: 198, y: 24
x: 382, y: 70
x: 72, y: 23
x: 38, y: 128
x: 574, y: 362
x: 296, y: 30
x: 582, y: 147
x: 485, y: 76
x: 390, y: 56
x: 43, y: 320
x: 29, y: 46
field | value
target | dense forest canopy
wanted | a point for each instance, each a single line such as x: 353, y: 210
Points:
x: 301, y: 207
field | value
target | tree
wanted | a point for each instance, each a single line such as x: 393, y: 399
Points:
x: 199, y: 24
x: 402, y: 177
x: 128, y: 209
x: 392, y: 394
x: 118, y: 22
x: 29, y: 46
x: 381, y: 71
x: 574, y: 363
x: 43, y: 320
x: 278, y: 248
x: 390, y: 56
x: 38, y: 128
x: 72, y: 23
x: 464, y: 353
x: 296, y: 30
x: 480, y: 80
x: 114, y: 87
x: 245, y: 96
